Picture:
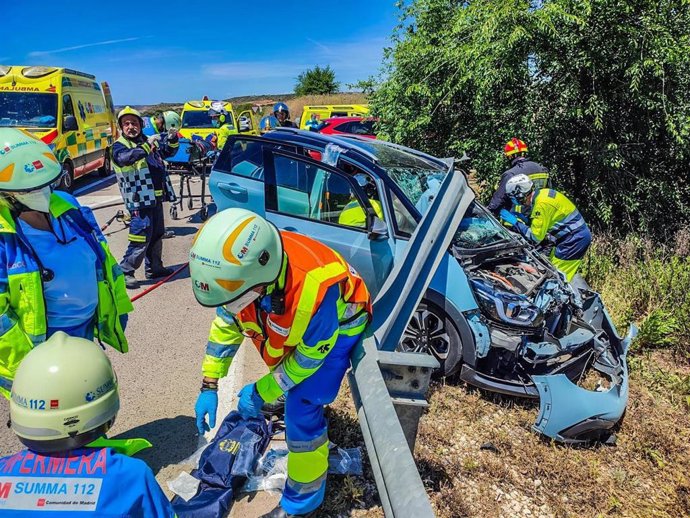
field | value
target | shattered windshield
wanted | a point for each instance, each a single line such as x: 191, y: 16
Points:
x: 478, y: 230
x: 24, y: 110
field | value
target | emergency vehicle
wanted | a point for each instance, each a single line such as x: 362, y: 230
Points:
x: 197, y: 121
x: 327, y: 111
x: 69, y: 110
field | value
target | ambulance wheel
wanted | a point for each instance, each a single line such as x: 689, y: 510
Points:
x: 106, y: 168
x: 190, y: 203
x: 67, y: 179
x: 173, y: 212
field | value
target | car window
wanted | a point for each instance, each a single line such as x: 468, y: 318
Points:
x: 345, y: 127
x: 243, y: 158
x: 404, y: 221
x: 307, y: 191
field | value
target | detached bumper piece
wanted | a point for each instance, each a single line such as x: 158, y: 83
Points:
x: 574, y: 415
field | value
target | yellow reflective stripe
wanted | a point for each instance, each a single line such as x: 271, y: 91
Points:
x: 213, y: 367
x: 538, y: 176
x: 225, y: 333
x: 268, y: 388
x: 273, y: 352
x: 158, y: 192
x: 309, y: 466
x: 305, y: 307
x: 134, y: 238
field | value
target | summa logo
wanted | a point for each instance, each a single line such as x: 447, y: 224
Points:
x: 5, y: 490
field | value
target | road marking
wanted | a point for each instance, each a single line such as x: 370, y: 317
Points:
x: 93, y: 185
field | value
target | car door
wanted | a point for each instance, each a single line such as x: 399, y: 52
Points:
x: 323, y: 202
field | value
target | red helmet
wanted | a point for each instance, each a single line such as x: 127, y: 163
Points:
x: 514, y: 146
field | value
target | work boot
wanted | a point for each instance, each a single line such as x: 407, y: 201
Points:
x: 131, y: 282
x: 159, y: 272
x: 279, y: 512
x: 276, y: 408
x: 168, y: 234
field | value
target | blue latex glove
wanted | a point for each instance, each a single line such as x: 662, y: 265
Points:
x: 206, y: 404
x: 508, y: 217
x: 250, y: 402
x: 210, y: 154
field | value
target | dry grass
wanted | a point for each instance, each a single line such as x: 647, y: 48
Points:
x: 644, y: 475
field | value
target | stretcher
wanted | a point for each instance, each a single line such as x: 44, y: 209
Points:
x: 191, y: 160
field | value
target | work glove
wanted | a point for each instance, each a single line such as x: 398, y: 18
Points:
x: 153, y: 139
x: 206, y: 404
x: 172, y: 135
x: 250, y: 402
x: 507, y: 216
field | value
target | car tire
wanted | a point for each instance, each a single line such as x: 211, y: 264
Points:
x: 67, y: 180
x: 106, y: 169
x: 432, y: 331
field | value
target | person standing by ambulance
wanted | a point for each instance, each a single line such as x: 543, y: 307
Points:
x: 145, y: 185
x: 56, y: 270
x: 304, y: 308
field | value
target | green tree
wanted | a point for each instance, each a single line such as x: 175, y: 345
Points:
x: 598, y: 89
x: 316, y: 81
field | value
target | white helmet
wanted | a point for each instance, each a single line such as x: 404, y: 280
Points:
x: 64, y: 395
x: 233, y: 253
x: 519, y: 186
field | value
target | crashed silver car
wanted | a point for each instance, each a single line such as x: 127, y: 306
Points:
x: 496, y: 312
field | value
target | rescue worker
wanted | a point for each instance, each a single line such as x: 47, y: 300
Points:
x: 304, y: 308
x: 145, y: 185
x: 353, y: 214
x: 161, y: 123
x: 223, y: 124
x: 282, y: 113
x: 64, y: 400
x: 56, y: 270
x: 515, y: 151
x: 553, y: 221
x: 313, y: 124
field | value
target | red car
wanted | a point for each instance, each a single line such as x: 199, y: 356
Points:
x: 349, y: 125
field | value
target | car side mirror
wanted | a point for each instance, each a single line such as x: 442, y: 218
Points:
x: 69, y: 123
x: 378, y: 229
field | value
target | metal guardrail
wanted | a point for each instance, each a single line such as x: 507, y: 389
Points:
x: 389, y: 388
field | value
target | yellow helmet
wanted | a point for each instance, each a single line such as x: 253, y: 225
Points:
x: 128, y: 110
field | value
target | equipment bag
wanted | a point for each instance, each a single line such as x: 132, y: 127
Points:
x: 225, y: 465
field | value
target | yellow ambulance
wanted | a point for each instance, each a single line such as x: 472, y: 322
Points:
x: 197, y: 121
x: 326, y: 111
x: 69, y: 110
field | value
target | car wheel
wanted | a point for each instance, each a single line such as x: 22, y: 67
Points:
x: 106, y: 168
x: 432, y: 331
x: 67, y: 179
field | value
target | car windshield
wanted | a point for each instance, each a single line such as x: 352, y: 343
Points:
x: 420, y: 180
x: 28, y: 110
x: 201, y: 119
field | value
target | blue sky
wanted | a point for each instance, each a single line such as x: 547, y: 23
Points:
x: 168, y: 51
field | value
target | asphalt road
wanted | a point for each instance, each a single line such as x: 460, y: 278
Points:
x: 160, y: 376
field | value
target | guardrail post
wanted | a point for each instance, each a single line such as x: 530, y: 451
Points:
x: 407, y: 377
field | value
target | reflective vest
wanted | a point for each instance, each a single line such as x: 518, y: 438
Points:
x: 136, y: 184
x: 353, y: 214
x: 555, y: 218
x: 23, y: 320
x: 223, y: 133
x: 312, y: 268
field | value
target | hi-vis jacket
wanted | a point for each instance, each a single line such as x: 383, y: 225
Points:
x: 86, y: 482
x: 23, y: 320
x: 292, y: 343
x: 555, y: 218
x: 135, y: 167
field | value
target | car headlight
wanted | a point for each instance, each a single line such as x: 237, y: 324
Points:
x: 505, y: 307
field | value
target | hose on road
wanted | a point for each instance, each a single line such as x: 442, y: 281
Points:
x: 160, y: 283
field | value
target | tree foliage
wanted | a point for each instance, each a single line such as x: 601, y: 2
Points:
x: 597, y: 88
x: 316, y: 81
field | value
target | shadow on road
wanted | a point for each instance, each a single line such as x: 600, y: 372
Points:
x: 180, y: 231
x: 174, y: 439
